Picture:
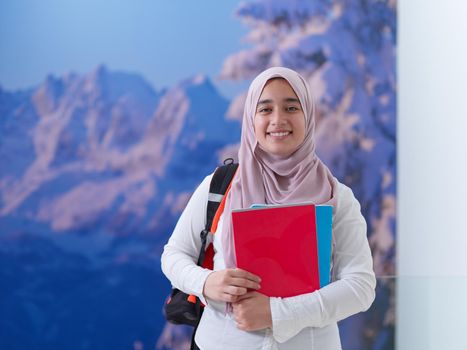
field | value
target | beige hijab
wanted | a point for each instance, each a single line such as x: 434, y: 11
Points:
x: 266, y: 178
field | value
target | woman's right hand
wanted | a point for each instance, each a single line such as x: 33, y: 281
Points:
x: 229, y: 284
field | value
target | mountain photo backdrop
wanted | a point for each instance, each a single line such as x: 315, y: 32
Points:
x: 96, y: 167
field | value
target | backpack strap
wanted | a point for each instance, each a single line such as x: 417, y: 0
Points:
x: 218, y: 190
x: 220, y: 187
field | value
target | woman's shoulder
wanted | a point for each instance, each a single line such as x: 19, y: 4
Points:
x: 345, y: 197
x: 343, y: 190
x: 206, y: 181
x: 208, y: 178
x: 347, y: 217
x: 201, y: 192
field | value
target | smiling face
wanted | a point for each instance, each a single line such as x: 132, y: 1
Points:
x: 279, y: 120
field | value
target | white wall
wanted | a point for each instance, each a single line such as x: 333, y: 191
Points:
x: 432, y: 175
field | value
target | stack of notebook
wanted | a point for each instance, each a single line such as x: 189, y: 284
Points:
x: 288, y: 246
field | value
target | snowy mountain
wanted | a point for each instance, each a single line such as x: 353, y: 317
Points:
x: 98, y: 168
x: 94, y: 148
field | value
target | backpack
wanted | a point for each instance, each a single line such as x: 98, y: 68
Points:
x: 181, y: 308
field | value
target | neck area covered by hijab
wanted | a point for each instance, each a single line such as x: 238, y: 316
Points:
x: 266, y: 178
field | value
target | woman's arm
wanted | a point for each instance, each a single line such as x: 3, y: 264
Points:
x: 352, y: 291
x: 181, y: 255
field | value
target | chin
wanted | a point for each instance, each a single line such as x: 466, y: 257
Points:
x: 280, y: 153
x: 277, y: 150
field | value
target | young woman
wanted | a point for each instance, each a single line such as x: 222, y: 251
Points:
x: 277, y: 165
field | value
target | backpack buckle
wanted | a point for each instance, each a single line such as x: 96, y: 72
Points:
x: 204, y: 234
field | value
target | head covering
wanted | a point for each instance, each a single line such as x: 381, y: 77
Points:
x: 266, y: 178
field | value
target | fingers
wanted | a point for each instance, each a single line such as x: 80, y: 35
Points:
x: 245, y: 274
x: 240, y: 316
x: 245, y: 296
x: 232, y: 293
x: 252, y: 312
x: 244, y: 283
x: 229, y: 298
x: 241, y: 278
x: 234, y: 290
x: 227, y: 285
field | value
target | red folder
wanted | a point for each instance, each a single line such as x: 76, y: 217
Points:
x: 278, y: 244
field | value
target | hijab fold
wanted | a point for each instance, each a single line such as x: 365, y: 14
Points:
x: 266, y: 178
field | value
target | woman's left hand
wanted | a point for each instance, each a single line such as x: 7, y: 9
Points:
x: 252, y: 312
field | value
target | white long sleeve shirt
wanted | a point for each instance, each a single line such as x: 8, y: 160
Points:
x: 307, y: 321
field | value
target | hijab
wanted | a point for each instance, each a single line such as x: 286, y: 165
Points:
x: 270, y: 179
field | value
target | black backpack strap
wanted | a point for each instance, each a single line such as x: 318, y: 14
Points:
x: 220, y: 181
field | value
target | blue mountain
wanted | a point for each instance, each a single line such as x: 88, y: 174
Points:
x: 95, y: 171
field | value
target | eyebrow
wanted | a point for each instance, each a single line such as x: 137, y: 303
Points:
x: 288, y: 99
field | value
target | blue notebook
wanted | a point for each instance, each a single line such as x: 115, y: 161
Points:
x: 324, y: 237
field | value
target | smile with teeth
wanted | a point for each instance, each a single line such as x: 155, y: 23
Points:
x: 279, y: 133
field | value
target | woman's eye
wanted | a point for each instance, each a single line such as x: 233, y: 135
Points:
x: 264, y: 110
x: 292, y: 109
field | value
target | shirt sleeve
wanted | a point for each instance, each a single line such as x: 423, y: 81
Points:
x: 354, y: 282
x: 181, y: 253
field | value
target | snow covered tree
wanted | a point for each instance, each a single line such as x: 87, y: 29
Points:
x: 346, y: 49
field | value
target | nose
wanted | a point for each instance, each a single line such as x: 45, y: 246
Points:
x: 277, y: 117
